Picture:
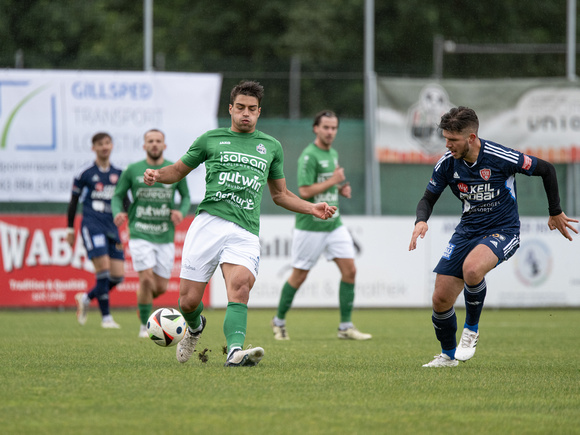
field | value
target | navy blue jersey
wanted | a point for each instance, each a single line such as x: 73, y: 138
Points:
x: 487, y: 188
x: 96, y: 188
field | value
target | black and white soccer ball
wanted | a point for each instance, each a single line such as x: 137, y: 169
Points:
x: 166, y: 327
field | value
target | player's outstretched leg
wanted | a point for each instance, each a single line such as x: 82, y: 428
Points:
x: 187, y: 344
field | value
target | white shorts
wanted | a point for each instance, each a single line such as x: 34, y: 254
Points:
x: 211, y: 241
x: 156, y: 256
x: 307, y: 246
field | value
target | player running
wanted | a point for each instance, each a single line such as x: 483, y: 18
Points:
x: 93, y: 187
x: 152, y: 220
x: 481, y: 174
x: 239, y: 162
x: 320, y: 178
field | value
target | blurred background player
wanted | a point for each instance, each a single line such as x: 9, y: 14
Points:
x: 93, y: 186
x: 320, y: 178
x: 152, y: 220
x: 481, y: 174
x: 240, y: 161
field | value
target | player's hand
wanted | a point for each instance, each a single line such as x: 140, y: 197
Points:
x: 345, y: 190
x: 561, y: 223
x: 338, y: 175
x: 150, y: 176
x: 176, y: 217
x: 70, y: 239
x: 323, y: 211
x: 420, y: 230
x: 120, y: 219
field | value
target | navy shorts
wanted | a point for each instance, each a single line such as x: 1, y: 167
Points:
x: 503, y: 245
x: 100, y: 241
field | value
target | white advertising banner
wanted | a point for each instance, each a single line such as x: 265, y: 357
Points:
x: 535, y: 116
x: 47, y: 119
x: 540, y: 274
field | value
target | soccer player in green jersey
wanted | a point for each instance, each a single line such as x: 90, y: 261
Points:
x: 153, y: 217
x: 239, y: 161
x: 320, y: 178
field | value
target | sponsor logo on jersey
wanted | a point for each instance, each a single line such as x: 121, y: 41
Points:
x: 324, y: 163
x: 95, y: 178
x: 478, y: 192
x: 485, y: 173
x: 527, y: 162
x: 463, y: 187
x: 239, y: 181
x: 244, y: 159
x: 455, y: 175
x: 261, y: 149
x: 225, y: 142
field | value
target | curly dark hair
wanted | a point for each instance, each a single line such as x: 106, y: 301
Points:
x: 459, y: 119
x: 249, y: 88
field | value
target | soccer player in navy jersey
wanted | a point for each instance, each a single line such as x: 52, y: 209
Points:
x: 94, y: 186
x: 481, y: 174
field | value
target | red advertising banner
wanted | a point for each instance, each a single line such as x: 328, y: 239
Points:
x: 38, y: 268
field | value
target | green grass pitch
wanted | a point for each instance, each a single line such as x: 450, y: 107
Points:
x: 57, y: 377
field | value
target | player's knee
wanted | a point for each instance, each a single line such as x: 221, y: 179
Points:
x: 349, y: 274
x: 442, y: 302
x: 472, y: 274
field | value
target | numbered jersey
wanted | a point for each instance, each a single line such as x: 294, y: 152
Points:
x: 316, y: 165
x: 238, y: 166
x: 487, y: 188
x: 95, y: 188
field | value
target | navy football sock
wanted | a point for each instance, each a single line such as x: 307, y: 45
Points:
x: 445, y: 325
x: 474, y: 297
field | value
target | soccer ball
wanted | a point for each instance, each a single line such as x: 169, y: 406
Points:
x: 166, y: 327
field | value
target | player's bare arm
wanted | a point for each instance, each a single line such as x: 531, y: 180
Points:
x: 167, y: 175
x: 561, y: 223
x: 420, y: 230
x: 308, y: 192
x: 284, y: 198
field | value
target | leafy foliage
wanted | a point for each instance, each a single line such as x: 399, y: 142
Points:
x: 257, y: 39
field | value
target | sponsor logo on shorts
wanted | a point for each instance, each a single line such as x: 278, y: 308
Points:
x: 448, y: 251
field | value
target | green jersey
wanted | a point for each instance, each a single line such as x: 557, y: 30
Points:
x: 150, y: 211
x: 316, y: 165
x: 238, y: 166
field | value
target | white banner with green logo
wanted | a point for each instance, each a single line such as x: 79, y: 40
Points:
x: 47, y: 119
x: 536, y: 116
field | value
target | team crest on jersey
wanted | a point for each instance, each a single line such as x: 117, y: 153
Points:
x: 485, y: 173
x: 261, y: 149
x: 462, y: 187
x: 113, y: 178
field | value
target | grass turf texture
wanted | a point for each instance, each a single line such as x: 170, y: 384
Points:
x: 58, y: 377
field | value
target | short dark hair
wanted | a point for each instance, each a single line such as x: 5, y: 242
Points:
x: 153, y: 130
x: 322, y: 114
x: 459, y: 119
x: 249, y: 88
x: 100, y: 136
